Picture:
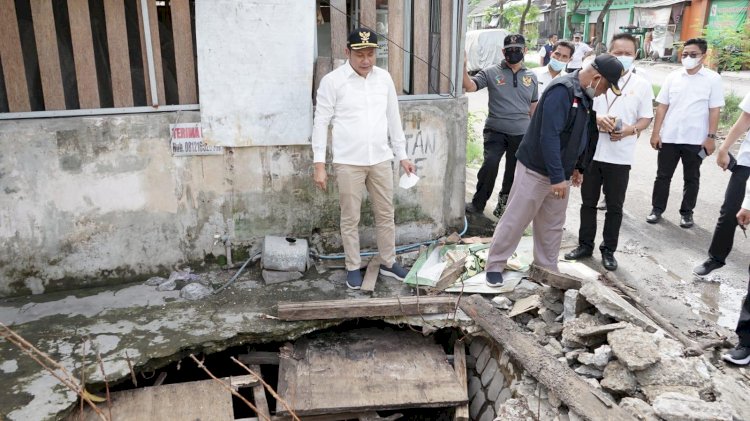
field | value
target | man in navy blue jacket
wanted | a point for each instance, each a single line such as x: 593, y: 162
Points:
x: 554, y: 150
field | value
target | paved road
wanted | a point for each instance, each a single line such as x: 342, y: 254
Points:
x: 658, y: 259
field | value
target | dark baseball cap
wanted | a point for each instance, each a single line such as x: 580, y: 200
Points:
x: 611, y: 69
x: 362, y: 38
x: 514, y: 40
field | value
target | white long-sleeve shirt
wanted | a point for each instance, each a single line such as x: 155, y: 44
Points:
x: 746, y: 201
x: 364, y: 113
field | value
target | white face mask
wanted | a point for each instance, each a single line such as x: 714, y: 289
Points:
x: 690, y: 63
x: 626, y: 61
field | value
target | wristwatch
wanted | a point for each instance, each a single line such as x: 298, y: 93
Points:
x: 711, y: 136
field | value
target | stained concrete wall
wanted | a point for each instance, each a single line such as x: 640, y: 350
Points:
x: 100, y: 200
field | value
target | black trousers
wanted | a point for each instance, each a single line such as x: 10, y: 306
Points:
x: 723, y: 239
x: 495, y: 145
x: 669, y: 155
x: 613, y: 178
x: 743, y: 324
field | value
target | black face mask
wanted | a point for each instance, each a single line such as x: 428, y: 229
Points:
x: 513, y: 57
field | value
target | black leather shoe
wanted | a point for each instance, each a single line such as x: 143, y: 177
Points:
x: 686, y: 221
x: 470, y: 208
x: 707, y: 267
x: 654, y: 217
x: 578, y: 252
x: 608, y: 260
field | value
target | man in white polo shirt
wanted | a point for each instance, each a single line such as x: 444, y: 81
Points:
x: 559, y: 58
x: 615, y: 153
x: 582, y: 50
x: 685, y: 126
x: 723, y: 238
x: 360, y: 101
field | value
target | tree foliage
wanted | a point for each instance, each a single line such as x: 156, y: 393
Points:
x: 730, y: 47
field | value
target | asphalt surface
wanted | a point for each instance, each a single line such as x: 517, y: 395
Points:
x: 657, y: 260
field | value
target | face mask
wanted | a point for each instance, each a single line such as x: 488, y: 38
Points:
x: 626, y: 61
x: 590, y: 91
x: 513, y: 57
x: 690, y: 63
x: 556, y: 65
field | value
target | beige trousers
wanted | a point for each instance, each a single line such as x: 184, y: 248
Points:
x: 378, y: 180
x: 530, y: 199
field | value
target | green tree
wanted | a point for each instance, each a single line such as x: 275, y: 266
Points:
x: 514, y: 17
x: 730, y: 47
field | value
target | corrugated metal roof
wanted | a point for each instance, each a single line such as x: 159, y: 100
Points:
x: 659, y: 3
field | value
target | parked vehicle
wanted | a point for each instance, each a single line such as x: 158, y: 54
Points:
x: 484, y: 47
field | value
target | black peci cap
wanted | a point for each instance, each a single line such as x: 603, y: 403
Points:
x: 514, y: 40
x: 611, y: 69
x: 362, y: 38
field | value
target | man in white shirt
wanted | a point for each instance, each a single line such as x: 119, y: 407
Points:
x: 685, y: 126
x: 545, y: 53
x: 740, y: 355
x: 360, y: 101
x: 723, y: 238
x: 559, y: 57
x: 615, y: 153
x: 582, y: 50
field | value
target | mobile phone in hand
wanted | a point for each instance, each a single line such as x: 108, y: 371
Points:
x: 618, y: 125
x: 732, y: 162
x: 703, y: 153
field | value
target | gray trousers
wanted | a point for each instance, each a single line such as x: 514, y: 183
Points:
x: 530, y: 199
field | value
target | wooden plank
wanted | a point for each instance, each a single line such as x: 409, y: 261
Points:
x: 205, y: 400
x: 323, y: 66
x: 367, y: 13
x: 156, y: 49
x: 12, y: 58
x: 420, y: 69
x: 554, y: 279
x: 459, y: 364
x: 339, y: 30
x: 259, y: 358
x: 556, y: 376
x: 259, y: 397
x: 446, y: 20
x: 396, y: 36
x: 451, y: 274
x: 372, y: 307
x: 119, y: 57
x: 367, y: 370
x: 49, y: 55
x: 83, y: 54
x: 144, y: 56
x: 371, y: 274
x: 183, y: 51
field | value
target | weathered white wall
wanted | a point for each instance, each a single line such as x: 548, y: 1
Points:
x: 255, y: 70
x: 96, y: 200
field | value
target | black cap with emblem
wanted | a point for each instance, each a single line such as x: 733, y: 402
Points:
x: 362, y: 38
x: 514, y: 40
x: 611, y: 69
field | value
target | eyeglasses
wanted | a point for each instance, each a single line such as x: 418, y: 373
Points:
x: 691, y: 55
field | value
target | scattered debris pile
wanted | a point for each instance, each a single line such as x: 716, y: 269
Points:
x: 191, y: 286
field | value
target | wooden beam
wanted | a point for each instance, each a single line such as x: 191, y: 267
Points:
x: 339, y: 30
x: 83, y: 54
x: 554, y: 375
x: 396, y: 35
x: 259, y: 397
x: 373, y: 307
x: 420, y: 68
x: 119, y: 57
x: 144, y: 56
x: 554, y: 279
x: 259, y: 358
x: 12, y: 58
x: 459, y: 364
x: 156, y: 49
x: 446, y: 20
x: 451, y: 274
x: 45, y: 35
x: 371, y: 274
x: 183, y: 51
x: 367, y: 13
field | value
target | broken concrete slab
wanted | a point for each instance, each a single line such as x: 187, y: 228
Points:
x: 602, y: 329
x: 525, y: 304
x: 502, y: 303
x: 618, y: 379
x: 611, y: 304
x: 589, y: 371
x: 635, y: 348
x: 514, y: 410
x: 598, y: 359
x: 571, y: 337
x: 524, y: 289
x: 678, y: 407
x: 277, y: 276
x: 689, y: 375
x: 195, y: 291
x: 573, y: 304
x: 640, y: 409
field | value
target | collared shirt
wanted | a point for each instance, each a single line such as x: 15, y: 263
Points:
x: 743, y: 157
x: 364, y: 113
x: 635, y: 103
x: 576, y: 60
x: 510, y: 97
x: 689, y: 98
x: 544, y: 77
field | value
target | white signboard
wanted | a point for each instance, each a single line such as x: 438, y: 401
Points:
x: 186, y: 140
x: 255, y: 71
